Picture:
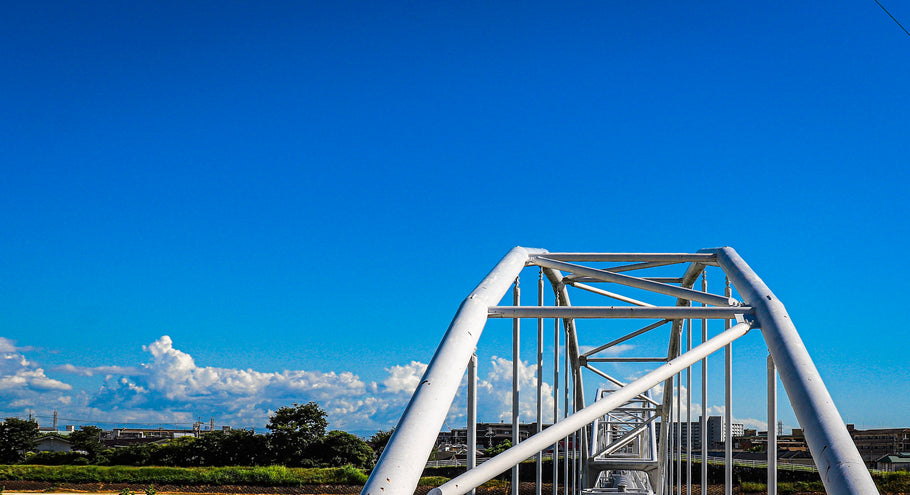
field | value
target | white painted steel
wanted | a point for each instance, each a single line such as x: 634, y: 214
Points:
x: 539, y: 467
x: 556, y: 399
x: 678, y: 440
x: 841, y: 468
x: 399, y: 468
x: 612, y: 295
x: 568, y: 323
x: 688, y: 411
x: 516, y: 376
x: 619, y: 383
x: 728, y: 408
x: 472, y: 413
x: 638, y: 283
x: 640, y: 266
x: 583, y: 312
x: 489, y: 469
x: 772, y: 427
x: 627, y: 439
x: 703, y: 420
x: 701, y: 257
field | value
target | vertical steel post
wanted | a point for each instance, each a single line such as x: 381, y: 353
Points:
x: 666, y: 448
x: 472, y: 414
x: 678, y: 431
x: 516, y: 378
x: 728, y: 406
x: 556, y: 398
x: 574, y: 436
x: 703, y: 419
x: 539, y: 470
x: 565, y: 412
x: 688, y: 411
x: 772, y: 427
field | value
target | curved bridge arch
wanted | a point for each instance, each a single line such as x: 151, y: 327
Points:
x: 840, y: 465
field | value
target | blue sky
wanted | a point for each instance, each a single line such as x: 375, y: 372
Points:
x: 298, y: 195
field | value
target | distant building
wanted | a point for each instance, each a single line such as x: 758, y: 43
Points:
x: 155, y: 433
x: 52, y: 443
x: 488, y: 434
x: 751, y: 439
x: 715, y: 427
x: 896, y: 462
x: 875, y: 444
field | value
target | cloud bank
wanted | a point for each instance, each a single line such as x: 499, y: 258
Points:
x: 23, y: 384
x: 169, y: 386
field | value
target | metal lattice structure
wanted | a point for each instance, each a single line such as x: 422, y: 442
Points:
x: 613, y: 443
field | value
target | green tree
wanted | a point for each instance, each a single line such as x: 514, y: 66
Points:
x: 144, y: 454
x: 340, y: 448
x: 502, y: 447
x: 88, y: 440
x: 379, y: 440
x: 293, y: 430
x: 182, y: 451
x: 17, y: 436
x: 245, y: 448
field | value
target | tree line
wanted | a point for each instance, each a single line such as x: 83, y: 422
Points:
x: 296, y: 437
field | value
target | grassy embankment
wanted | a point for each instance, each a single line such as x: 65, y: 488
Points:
x: 279, y: 476
x: 143, y: 476
x: 256, y: 476
x: 887, y: 483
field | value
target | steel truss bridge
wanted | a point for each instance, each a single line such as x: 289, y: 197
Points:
x: 614, y: 444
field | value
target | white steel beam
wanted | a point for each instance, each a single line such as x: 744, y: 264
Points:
x: 489, y: 469
x: 654, y: 312
x: 401, y: 464
x: 538, y: 471
x: 516, y: 379
x: 701, y: 257
x: 638, y: 283
x: 841, y: 468
x: 772, y: 427
x: 472, y: 414
x: 612, y: 295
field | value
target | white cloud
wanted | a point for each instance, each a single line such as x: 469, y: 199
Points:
x: 170, y: 386
x: 494, y: 394
x: 172, y: 381
x: 19, y: 375
x: 98, y: 370
x: 404, y: 378
x: 23, y: 384
x: 7, y: 345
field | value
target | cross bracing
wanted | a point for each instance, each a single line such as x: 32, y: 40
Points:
x: 612, y: 439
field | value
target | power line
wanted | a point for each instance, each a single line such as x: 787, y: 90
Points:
x: 892, y: 17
